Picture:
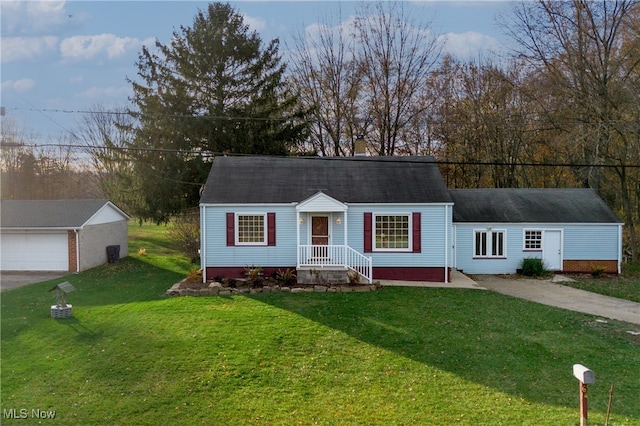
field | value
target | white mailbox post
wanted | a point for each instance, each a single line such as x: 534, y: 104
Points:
x: 586, y: 377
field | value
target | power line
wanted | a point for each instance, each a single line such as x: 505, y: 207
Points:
x: 135, y: 114
x: 400, y: 159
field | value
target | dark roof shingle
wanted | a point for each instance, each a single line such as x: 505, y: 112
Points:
x: 253, y: 179
x: 530, y: 206
x: 67, y: 214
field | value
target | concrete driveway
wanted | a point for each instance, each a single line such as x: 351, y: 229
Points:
x: 555, y: 294
x: 13, y: 279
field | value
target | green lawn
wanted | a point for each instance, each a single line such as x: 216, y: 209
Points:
x: 129, y: 355
x: 625, y: 286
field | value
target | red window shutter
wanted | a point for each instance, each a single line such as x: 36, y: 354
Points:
x: 416, y: 232
x: 231, y: 229
x: 271, y: 229
x: 368, y: 232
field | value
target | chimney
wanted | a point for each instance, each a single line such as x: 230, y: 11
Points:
x: 360, y: 146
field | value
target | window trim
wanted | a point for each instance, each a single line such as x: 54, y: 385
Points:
x: 489, y: 243
x: 374, y: 246
x: 265, y: 237
x: 524, y: 239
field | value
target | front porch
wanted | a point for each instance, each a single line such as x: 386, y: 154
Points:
x: 334, y: 260
x: 322, y: 242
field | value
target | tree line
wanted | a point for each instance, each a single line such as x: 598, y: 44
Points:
x: 566, y: 99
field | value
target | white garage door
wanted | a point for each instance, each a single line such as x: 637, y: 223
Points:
x: 34, y: 252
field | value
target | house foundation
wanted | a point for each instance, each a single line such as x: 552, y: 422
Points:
x: 323, y: 276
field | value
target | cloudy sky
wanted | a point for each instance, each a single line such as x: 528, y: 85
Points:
x: 60, y: 58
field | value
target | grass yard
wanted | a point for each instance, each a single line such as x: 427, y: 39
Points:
x: 129, y: 355
x: 626, y: 286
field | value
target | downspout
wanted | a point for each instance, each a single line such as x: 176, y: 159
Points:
x: 203, y: 254
x: 77, y: 250
x: 446, y: 243
x: 619, y: 249
x: 297, y: 239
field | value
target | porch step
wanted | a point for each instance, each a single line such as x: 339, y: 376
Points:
x: 318, y: 275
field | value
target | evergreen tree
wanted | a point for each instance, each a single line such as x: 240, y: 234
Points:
x: 214, y: 88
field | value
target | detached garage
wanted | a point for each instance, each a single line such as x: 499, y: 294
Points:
x: 59, y: 235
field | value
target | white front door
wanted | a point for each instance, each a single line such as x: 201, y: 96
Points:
x: 552, y: 250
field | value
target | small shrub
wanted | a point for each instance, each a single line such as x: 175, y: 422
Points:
x: 194, y: 276
x: 597, y: 271
x: 354, y: 277
x: 252, y: 272
x: 185, y: 233
x: 142, y: 251
x: 533, y: 267
x: 287, y: 277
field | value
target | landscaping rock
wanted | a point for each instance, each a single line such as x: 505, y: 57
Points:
x: 216, y: 288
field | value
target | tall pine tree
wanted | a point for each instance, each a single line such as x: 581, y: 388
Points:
x: 214, y: 88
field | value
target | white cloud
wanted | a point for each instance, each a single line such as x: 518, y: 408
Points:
x: 102, y: 93
x: 255, y: 24
x: 26, y: 48
x: 469, y: 44
x: 22, y: 85
x: 92, y: 46
x: 37, y: 17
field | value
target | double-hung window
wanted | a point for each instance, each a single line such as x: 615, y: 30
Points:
x: 392, y: 232
x: 489, y: 243
x: 251, y: 229
x: 532, y: 239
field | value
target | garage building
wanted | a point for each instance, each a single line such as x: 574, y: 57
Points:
x: 59, y: 235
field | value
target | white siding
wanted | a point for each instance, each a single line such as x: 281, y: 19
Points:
x: 106, y: 214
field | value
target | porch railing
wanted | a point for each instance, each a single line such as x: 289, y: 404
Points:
x: 327, y: 256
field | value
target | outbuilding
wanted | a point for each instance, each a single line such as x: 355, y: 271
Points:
x: 60, y: 235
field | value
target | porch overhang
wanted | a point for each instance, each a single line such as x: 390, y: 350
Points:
x: 321, y: 202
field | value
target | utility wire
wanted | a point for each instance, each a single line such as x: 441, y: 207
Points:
x: 400, y: 159
x: 244, y: 118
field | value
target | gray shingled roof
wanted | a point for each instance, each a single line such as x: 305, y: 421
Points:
x: 65, y: 214
x: 530, y: 206
x: 247, y: 180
